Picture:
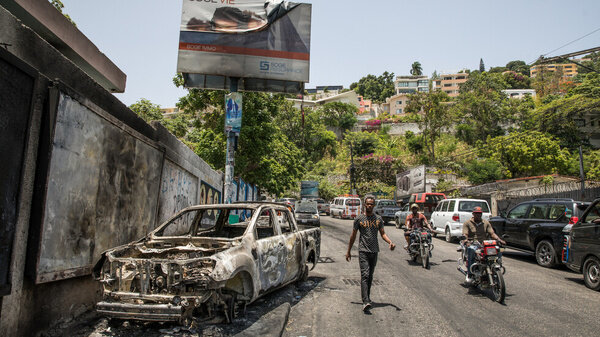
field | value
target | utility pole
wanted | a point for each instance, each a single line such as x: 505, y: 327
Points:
x: 230, y: 150
x: 581, y: 174
x: 352, y: 185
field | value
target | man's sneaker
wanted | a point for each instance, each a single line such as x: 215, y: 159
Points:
x: 367, y: 307
x: 468, y: 280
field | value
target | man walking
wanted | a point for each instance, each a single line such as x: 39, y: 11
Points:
x: 368, y: 224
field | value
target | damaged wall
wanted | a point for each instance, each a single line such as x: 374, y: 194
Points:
x: 90, y: 179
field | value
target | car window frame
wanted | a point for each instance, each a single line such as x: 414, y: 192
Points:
x: 514, y: 208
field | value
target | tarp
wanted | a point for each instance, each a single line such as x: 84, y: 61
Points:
x: 256, y: 41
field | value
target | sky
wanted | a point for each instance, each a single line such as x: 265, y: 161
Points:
x: 350, y: 38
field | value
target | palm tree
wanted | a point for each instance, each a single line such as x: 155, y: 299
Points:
x: 416, y: 69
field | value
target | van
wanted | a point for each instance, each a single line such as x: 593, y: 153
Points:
x: 450, y: 214
x: 346, y: 207
x: 427, y: 202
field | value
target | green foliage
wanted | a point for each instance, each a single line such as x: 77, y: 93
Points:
x: 591, y: 165
x: 589, y: 88
x: 338, y: 114
x: 147, y: 110
x: 593, y: 63
x: 436, y: 116
x: 414, y: 142
x: 363, y: 143
x: 517, y: 80
x: 443, y: 185
x: 528, y: 153
x: 481, y: 66
x: 480, y: 107
x: 376, y: 88
x: 498, y: 69
x: 416, y: 69
x: 481, y: 171
x: 519, y: 67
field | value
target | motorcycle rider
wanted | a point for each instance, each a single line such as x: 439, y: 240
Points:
x: 476, y: 229
x: 413, y: 221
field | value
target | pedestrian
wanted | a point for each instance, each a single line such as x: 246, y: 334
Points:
x: 369, y: 224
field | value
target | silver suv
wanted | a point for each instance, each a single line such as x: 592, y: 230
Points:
x: 450, y: 214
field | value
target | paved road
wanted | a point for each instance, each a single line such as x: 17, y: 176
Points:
x: 412, y: 301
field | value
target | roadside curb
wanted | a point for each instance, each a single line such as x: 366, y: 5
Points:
x: 271, y: 324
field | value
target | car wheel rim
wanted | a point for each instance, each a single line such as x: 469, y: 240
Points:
x: 545, y: 254
x: 594, y: 272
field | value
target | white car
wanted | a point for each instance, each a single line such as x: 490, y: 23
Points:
x: 450, y: 214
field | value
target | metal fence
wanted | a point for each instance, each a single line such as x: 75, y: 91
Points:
x: 568, y: 190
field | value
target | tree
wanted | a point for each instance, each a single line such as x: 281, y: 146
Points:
x: 593, y: 63
x: 436, y: 116
x: 416, y: 69
x: 363, y: 143
x: 481, y: 66
x: 527, y: 153
x: 376, y: 88
x: 517, y: 80
x: 338, y: 114
x: 435, y: 75
x: 481, y: 107
x: 481, y: 171
x: 519, y: 67
x: 147, y: 110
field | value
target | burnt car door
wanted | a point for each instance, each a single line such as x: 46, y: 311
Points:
x: 269, y: 250
x: 293, y: 245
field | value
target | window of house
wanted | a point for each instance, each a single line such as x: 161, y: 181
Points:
x: 403, y: 84
x: 398, y: 111
x: 398, y: 102
x: 423, y: 83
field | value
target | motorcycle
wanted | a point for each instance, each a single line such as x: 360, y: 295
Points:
x: 421, y: 246
x: 487, y: 269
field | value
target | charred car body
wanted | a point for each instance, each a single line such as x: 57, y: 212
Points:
x: 206, y: 261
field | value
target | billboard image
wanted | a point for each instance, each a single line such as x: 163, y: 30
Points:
x: 309, y: 189
x: 410, y: 181
x: 247, y: 39
x: 233, y: 112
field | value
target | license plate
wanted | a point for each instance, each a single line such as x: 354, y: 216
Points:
x: 303, y: 221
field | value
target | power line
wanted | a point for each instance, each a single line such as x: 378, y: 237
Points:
x: 586, y: 35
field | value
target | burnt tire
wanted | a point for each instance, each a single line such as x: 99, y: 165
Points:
x: 591, y: 273
x: 545, y: 254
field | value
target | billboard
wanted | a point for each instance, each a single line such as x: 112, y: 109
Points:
x: 309, y: 189
x: 264, y: 43
x: 410, y: 181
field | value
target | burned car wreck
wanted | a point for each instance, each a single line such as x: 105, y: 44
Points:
x: 206, y: 262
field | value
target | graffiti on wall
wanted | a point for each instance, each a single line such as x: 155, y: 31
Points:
x: 178, y: 190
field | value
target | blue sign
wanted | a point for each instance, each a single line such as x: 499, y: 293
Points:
x: 233, y: 112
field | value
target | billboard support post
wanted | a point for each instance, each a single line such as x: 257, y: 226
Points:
x: 229, y: 151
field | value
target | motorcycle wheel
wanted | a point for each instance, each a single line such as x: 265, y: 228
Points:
x: 499, y: 289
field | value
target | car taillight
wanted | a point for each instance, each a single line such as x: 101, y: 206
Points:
x: 455, y: 217
x: 491, y: 251
x: 573, y: 220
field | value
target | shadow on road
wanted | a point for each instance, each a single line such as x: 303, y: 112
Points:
x: 375, y: 305
x: 478, y: 292
x: 578, y: 280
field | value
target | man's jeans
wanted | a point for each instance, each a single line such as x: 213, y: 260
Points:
x: 367, y: 262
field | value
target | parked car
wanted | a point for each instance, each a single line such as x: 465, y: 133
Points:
x: 583, y: 250
x: 346, y: 207
x: 205, y: 261
x: 322, y: 205
x: 386, y: 208
x: 307, y: 212
x: 427, y: 202
x: 400, y: 216
x: 537, y: 226
x: 450, y: 214
x: 291, y: 202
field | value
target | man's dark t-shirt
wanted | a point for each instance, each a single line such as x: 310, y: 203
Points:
x: 368, y: 226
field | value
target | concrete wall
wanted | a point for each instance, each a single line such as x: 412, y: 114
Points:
x: 93, y: 175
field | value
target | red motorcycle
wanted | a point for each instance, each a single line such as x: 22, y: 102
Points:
x: 487, y: 269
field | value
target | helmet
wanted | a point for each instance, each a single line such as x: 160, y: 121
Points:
x: 477, y: 210
x: 413, y: 206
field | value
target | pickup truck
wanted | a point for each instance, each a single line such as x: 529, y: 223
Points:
x: 206, y: 261
x: 537, y: 226
x: 386, y: 209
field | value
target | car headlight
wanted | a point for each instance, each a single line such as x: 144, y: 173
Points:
x: 315, y: 216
